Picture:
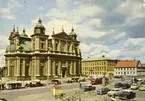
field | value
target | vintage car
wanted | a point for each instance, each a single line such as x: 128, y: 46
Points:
x: 87, y: 87
x: 142, y: 87
x: 114, y: 92
x: 82, y: 79
x: 103, y: 91
x: 69, y: 80
x: 13, y: 85
x: 125, y: 86
x: 118, y: 85
x: 126, y: 95
x: 134, y: 86
x: 75, y: 79
x: 56, y: 81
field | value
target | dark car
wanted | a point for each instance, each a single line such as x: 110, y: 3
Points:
x: 88, y: 88
x: 118, y: 85
x: 126, y: 95
x: 125, y: 86
x: 103, y: 91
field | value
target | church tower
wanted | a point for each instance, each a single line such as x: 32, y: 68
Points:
x: 73, y: 35
x: 39, y: 39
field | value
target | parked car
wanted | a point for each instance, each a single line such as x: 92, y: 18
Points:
x: 56, y: 81
x: 134, y: 86
x: 125, y: 86
x: 87, y: 87
x: 126, y: 95
x: 82, y: 79
x: 117, y: 76
x: 75, y: 79
x: 103, y: 91
x: 142, y: 87
x: 114, y: 92
x: 69, y: 80
x: 118, y: 85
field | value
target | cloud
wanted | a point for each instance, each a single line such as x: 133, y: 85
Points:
x: 13, y: 4
x: 61, y: 3
x: 133, y: 48
x: 6, y: 13
x: 3, y: 45
x: 3, y: 41
x: 41, y: 8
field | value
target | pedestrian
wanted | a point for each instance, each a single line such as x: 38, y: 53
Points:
x: 80, y: 85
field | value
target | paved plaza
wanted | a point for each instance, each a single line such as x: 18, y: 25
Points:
x: 70, y: 90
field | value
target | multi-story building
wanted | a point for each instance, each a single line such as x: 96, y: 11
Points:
x: 98, y: 66
x: 129, y: 68
x: 42, y: 57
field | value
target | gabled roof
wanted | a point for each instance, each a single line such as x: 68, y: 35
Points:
x: 62, y: 35
x: 127, y: 63
x: 143, y: 65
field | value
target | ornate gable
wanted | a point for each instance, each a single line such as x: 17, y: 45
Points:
x: 62, y: 35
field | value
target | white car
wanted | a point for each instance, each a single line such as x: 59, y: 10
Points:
x: 142, y: 88
x: 134, y: 86
x: 114, y: 92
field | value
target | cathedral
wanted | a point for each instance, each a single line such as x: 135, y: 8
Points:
x: 42, y: 56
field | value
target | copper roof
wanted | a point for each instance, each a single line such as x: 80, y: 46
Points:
x: 127, y: 63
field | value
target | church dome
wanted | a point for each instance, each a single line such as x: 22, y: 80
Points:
x: 11, y: 48
x: 23, y: 34
x: 72, y: 32
x: 39, y: 24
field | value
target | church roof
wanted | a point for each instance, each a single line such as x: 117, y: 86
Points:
x: 62, y: 35
x: 23, y: 34
x: 11, y: 48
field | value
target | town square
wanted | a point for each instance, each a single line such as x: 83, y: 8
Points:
x: 72, y: 50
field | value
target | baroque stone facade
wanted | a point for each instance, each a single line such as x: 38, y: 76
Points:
x: 42, y: 57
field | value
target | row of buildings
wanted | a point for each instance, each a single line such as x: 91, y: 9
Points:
x: 43, y: 57
x: 111, y: 67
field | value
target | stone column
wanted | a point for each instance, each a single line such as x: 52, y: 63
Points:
x: 23, y: 68
x: 8, y: 64
x: 18, y: 66
x: 71, y: 68
x: 37, y: 67
x: 53, y: 44
x: 74, y: 67
x: 46, y: 44
x: 53, y: 69
x: 49, y: 67
x: 59, y: 45
x: 67, y: 68
x: 59, y: 68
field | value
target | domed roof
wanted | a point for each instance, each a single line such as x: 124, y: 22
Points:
x: 72, y: 32
x: 23, y: 34
x: 39, y: 24
x: 11, y: 48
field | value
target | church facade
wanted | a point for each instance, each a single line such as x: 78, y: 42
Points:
x: 42, y: 57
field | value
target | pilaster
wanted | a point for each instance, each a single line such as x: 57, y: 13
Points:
x: 74, y: 67
x: 23, y: 67
x: 49, y: 66
x: 53, y: 69
x: 37, y: 67
x: 8, y: 64
x: 59, y: 67
x: 18, y: 66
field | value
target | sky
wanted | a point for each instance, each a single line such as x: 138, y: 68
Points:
x: 114, y: 28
